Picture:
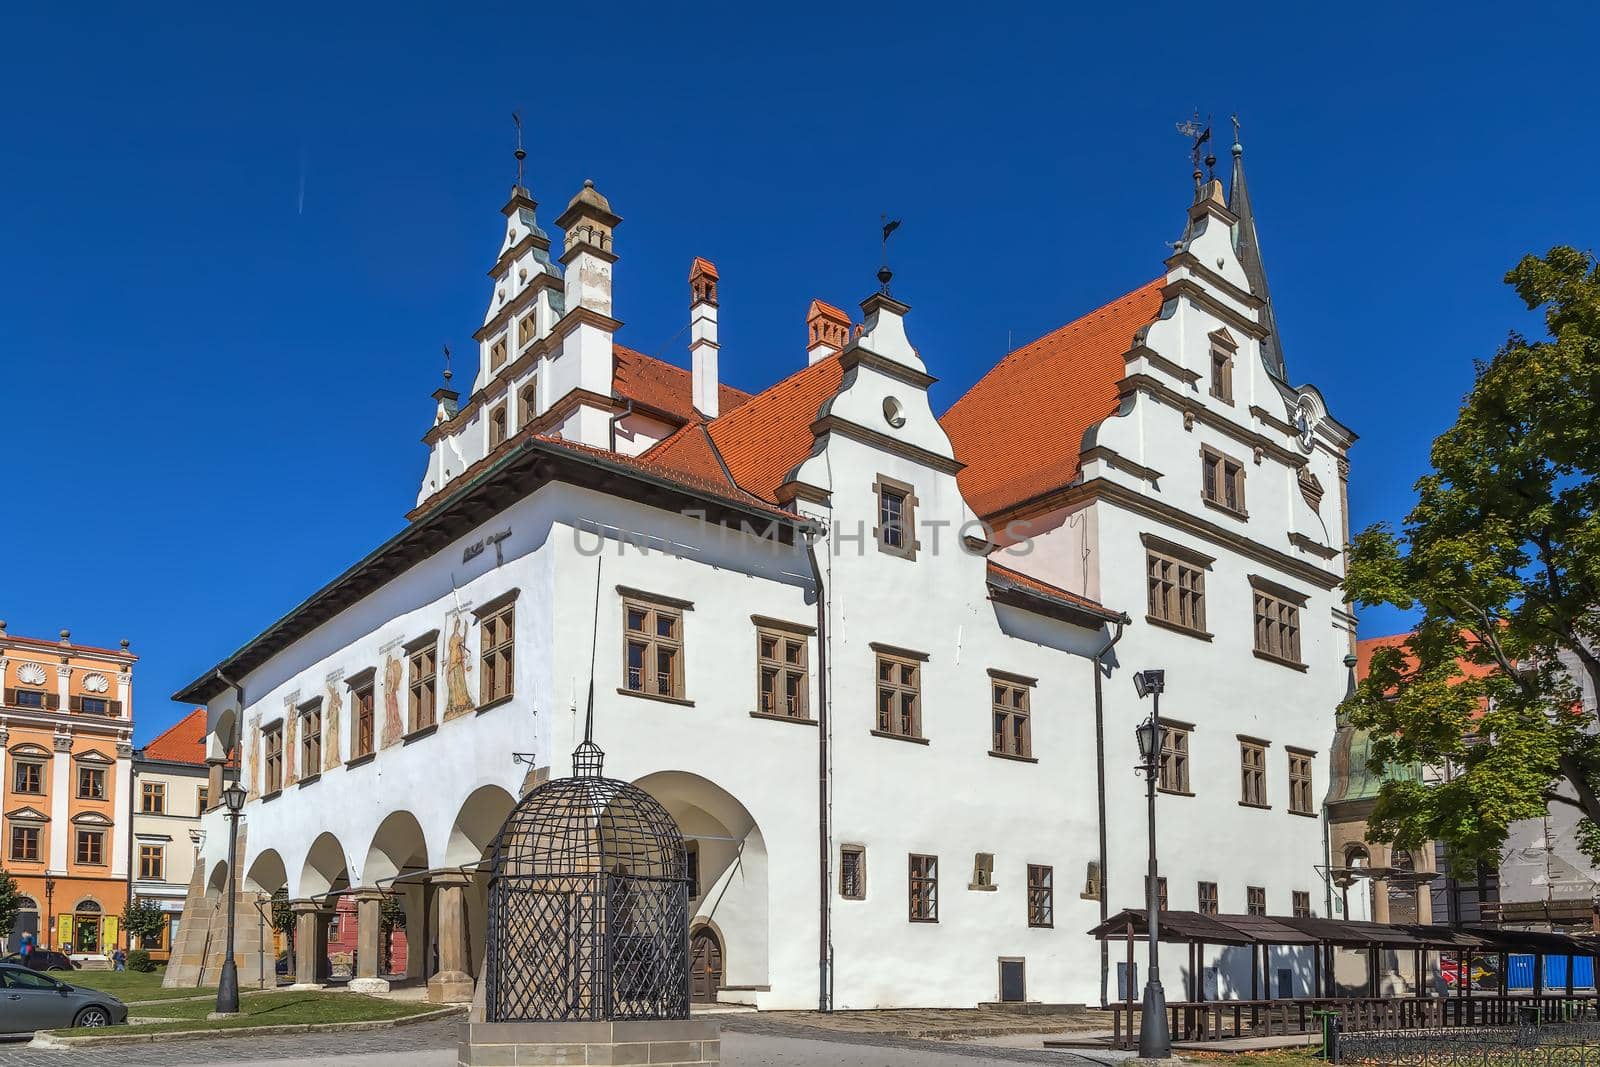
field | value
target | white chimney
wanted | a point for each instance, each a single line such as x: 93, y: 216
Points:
x: 703, y: 334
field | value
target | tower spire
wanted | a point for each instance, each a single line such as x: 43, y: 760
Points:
x: 1248, y: 247
x: 516, y: 120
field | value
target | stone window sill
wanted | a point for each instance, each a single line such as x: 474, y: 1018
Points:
x: 357, y: 761
x: 274, y: 795
x: 1174, y: 792
x: 1292, y: 664
x: 1178, y: 628
x: 1303, y: 814
x: 419, y: 733
x: 912, y: 740
x: 642, y: 695
x: 797, y: 720
x: 1010, y: 756
x: 1217, y: 505
x: 983, y: 888
x: 308, y: 779
x: 1258, y: 807
x: 496, y: 702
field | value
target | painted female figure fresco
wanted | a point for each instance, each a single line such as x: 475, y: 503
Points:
x: 330, y: 727
x: 393, y: 727
x: 290, y: 745
x: 253, y: 735
x: 455, y: 672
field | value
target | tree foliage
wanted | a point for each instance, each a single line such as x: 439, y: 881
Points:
x: 144, y: 919
x: 10, y: 902
x: 1502, y: 556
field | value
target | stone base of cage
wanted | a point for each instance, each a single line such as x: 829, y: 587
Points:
x: 659, y: 1043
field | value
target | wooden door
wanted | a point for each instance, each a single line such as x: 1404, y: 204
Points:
x: 705, y: 966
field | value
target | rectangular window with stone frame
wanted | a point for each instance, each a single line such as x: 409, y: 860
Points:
x: 525, y: 329
x: 1276, y: 611
x: 1253, y: 772
x: 91, y: 783
x: 28, y: 777
x: 24, y: 843
x: 899, y: 689
x: 1222, y: 481
x: 923, y: 888
x: 1161, y: 892
x: 1176, y: 586
x: 497, y: 638
x: 91, y: 848
x: 272, y: 758
x: 422, y: 656
x: 1302, y: 904
x: 1041, y: 895
x: 497, y: 355
x: 1255, y: 900
x: 310, y: 738
x: 781, y: 678
x: 853, y: 872
x: 363, y: 686
x: 153, y: 798
x: 1208, y: 898
x: 652, y: 645
x: 1173, y: 773
x: 1011, y: 728
x: 896, y: 531
x: 1222, y: 375
x: 1301, y: 800
x: 152, y: 863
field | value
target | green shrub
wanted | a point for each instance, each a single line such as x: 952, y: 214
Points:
x: 139, y: 960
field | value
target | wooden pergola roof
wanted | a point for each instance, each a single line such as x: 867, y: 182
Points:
x: 1193, y: 927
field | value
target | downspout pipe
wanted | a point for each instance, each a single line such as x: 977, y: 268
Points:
x: 1100, y: 776
x: 824, y: 828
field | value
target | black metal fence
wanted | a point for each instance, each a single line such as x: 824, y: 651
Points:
x: 1572, y: 1042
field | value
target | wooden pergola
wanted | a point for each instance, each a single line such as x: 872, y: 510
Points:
x: 1195, y: 1018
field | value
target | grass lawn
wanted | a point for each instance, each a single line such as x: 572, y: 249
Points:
x: 129, y: 986
x: 277, y: 1009
x: 1310, y: 1056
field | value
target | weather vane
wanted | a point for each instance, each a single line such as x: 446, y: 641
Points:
x: 1199, y: 135
x: 447, y: 374
x: 884, y: 273
x: 516, y: 120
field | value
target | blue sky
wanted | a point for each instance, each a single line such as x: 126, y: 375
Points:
x: 231, y: 249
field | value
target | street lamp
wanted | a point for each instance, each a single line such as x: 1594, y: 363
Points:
x: 1155, y: 1039
x: 49, y: 910
x: 228, y: 985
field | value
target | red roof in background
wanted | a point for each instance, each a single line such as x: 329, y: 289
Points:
x: 184, y: 742
x: 765, y: 438
x: 653, y: 383
x: 1019, y: 428
x: 1366, y: 646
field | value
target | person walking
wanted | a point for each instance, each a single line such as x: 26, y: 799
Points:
x: 26, y: 947
x: 119, y: 959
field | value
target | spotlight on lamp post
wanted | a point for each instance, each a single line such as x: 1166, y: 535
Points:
x: 228, y: 984
x: 1155, y: 1039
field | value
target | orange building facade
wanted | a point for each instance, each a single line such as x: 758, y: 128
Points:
x: 66, y: 751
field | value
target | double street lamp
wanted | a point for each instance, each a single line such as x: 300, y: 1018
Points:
x: 1155, y: 1039
x: 228, y: 984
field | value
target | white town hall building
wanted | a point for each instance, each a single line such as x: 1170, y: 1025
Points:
x: 875, y: 661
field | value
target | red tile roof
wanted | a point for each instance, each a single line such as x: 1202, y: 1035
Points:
x: 1366, y: 646
x: 183, y: 742
x: 823, y: 309
x: 689, y: 450
x: 1000, y: 572
x: 702, y: 265
x: 1019, y: 428
x: 686, y: 469
x: 653, y: 383
x: 766, y: 437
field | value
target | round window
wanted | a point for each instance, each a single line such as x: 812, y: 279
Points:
x: 892, y: 412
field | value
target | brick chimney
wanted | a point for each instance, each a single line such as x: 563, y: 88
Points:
x: 827, y: 330
x: 703, y: 335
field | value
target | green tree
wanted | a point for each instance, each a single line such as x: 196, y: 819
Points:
x: 1502, y: 556
x: 145, y: 920
x: 10, y: 902
x: 392, y: 917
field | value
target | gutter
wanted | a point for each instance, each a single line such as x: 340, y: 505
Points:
x: 824, y: 827
x: 1100, y: 777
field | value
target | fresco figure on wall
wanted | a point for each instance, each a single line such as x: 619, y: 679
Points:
x: 330, y: 727
x: 393, y: 725
x: 289, y: 745
x: 455, y: 672
x: 253, y: 735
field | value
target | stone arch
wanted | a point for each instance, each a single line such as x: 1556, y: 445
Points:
x: 217, y: 884
x: 223, y: 735
x: 732, y: 895
x: 266, y: 874
x: 477, y: 822
x: 326, y: 869
x: 397, y: 847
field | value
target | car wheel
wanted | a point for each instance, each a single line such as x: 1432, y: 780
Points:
x: 93, y: 1016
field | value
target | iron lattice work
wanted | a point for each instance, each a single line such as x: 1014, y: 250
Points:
x: 588, y: 905
x: 1573, y: 1043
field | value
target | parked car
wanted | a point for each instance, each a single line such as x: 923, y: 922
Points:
x: 33, y: 1001
x: 44, y: 959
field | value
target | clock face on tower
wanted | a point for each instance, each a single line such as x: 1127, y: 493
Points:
x: 1305, y: 423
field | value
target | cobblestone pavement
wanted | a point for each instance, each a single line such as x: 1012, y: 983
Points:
x: 754, y: 1044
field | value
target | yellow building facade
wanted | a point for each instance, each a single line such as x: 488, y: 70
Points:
x: 66, y: 751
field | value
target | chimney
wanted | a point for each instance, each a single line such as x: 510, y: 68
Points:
x: 703, y: 334
x: 827, y: 331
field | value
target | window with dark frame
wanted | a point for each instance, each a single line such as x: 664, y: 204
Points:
x: 781, y: 673
x: 691, y: 857
x: 424, y: 668
x: 899, y: 695
x: 1222, y: 375
x: 982, y: 871
x: 1302, y: 904
x: 153, y: 798
x: 152, y: 863
x: 1255, y: 900
x: 1177, y: 592
x: 497, y: 426
x: 28, y: 777
x: 1277, y: 627
x: 1041, y: 895
x: 896, y: 529
x: 201, y: 800
x: 91, y: 847
x: 923, y: 887
x: 272, y: 758
x: 91, y: 783
x: 853, y: 872
x: 1252, y: 773
x: 652, y: 648
x: 25, y: 843
x: 525, y: 329
x: 1161, y: 892
x: 497, y: 645
x: 1208, y: 898
x: 527, y: 403
x: 1012, y: 731
x: 497, y: 354
x: 93, y: 705
x: 1173, y: 776
x: 1222, y: 482
x: 1300, y: 795
x: 28, y: 698
x: 311, y: 739
x: 364, y: 701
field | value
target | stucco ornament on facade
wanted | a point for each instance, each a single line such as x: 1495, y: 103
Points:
x: 30, y: 674
x: 96, y: 683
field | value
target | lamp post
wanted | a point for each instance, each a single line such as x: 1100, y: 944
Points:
x: 1155, y: 1039
x: 228, y: 985
x: 49, y: 910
